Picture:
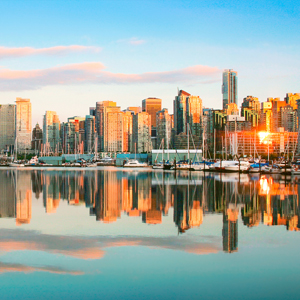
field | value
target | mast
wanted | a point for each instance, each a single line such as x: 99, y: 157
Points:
x: 214, y: 143
x: 188, y: 142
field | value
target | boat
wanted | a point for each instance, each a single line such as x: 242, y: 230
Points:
x: 257, y: 168
x: 295, y: 170
x: 220, y: 165
x: 34, y: 161
x: 16, y: 164
x: 106, y: 161
x: 134, y: 163
x: 237, y: 166
x: 183, y: 166
x: 285, y: 169
x: 200, y: 166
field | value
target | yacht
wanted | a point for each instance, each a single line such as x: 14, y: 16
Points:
x: 106, y: 161
x: 16, y: 164
x: 241, y: 166
x: 220, y: 165
x: 134, y: 163
x: 200, y: 166
x: 33, y: 161
x: 256, y: 168
x: 162, y: 166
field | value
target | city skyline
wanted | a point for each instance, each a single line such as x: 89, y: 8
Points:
x: 96, y: 60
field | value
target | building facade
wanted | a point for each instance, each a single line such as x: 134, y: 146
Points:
x: 141, y: 129
x: 51, y: 133
x: 7, y: 127
x: 230, y: 88
x: 23, y: 123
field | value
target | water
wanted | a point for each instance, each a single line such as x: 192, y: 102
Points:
x: 137, y: 234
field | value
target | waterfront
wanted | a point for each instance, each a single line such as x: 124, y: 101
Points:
x: 143, y: 234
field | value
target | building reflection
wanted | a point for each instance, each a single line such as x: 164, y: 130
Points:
x: 152, y: 195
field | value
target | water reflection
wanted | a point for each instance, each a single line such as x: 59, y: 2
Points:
x: 150, y: 195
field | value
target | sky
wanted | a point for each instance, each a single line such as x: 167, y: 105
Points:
x: 67, y: 55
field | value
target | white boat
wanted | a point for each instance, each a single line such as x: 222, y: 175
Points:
x: 92, y: 165
x: 220, y: 165
x: 200, y: 167
x: 183, y: 167
x: 106, y: 161
x: 295, y: 170
x: 285, y: 169
x: 16, y: 164
x: 134, y: 163
x: 33, y: 161
x: 242, y: 166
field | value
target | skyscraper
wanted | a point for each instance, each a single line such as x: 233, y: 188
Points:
x: 7, y: 126
x: 187, y: 110
x: 89, y: 133
x: 51, y: 127
x: 163, y: 125
x: 23, y: 123
x: 141, y: 129
x: 37, y: 137
x: 152, y: 106
x: 229, y: 88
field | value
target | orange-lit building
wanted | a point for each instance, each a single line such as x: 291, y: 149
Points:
x: 151, y: 106
x: 23, y: 123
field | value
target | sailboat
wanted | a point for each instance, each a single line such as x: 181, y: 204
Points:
x: 15, y: 163
x: 162, y: 165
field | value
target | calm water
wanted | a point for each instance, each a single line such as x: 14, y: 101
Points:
x: 107, y: 234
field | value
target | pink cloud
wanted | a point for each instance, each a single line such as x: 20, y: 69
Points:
x: 6, y: 52
x: 95, y: 73
x: 136, y: 41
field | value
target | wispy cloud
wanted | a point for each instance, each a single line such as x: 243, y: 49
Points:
x: 96, y: 73
x: 136, y: 41
x: 13, y: 267
x: 7, y: 52
x: 132, y: 41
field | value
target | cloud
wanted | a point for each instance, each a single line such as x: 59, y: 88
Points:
x: 136, y: 41
x: 6, y: 52
x: 132, y: 41
x: 96, y: 73
x: 13, y: 267
x: 94, y: 247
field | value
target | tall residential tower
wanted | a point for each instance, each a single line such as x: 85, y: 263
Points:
x: 229, y: 88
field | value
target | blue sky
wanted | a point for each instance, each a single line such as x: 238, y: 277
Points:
x: 131, y: 50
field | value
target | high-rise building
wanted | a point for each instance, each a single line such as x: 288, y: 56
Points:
x: 180, y: 112
x: 51, y: 132
x: 23, y: 123
x: 288, y: 118
x: 104, y: 124
x: 252, y: 103
x: 163, y: 128
x: 265, y: 116
x: 37, y: 137
x: 141, y: 129
x: 229, y: 88
x: 291, y: 99
x: 194, y: 114
x: 187, y: 114
x: 276, y: 116
x: 89, y: 134
x: 70, y: 134
x: 7, y: 126
x: 152, y: 106
x: 127, y: 130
